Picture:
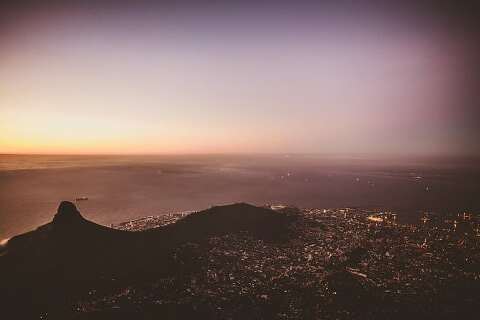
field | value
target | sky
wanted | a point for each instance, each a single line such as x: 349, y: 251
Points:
x: 248, y: 78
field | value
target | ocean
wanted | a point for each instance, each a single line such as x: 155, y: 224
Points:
x: 121, y: 188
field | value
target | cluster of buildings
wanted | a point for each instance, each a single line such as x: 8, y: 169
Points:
x: 150, y: 222
x: 338, y: 264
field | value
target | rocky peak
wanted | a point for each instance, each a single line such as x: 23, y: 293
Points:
x: 67, y: 214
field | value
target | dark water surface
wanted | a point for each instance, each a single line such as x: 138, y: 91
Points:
x: 120, y: 188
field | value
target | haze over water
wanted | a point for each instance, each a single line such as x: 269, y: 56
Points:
x: 120, y: 188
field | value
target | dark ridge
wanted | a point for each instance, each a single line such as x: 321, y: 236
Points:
x: 69, y: 254
x: 262, y: 223
x: 70, y: 235
x: 67, y: 214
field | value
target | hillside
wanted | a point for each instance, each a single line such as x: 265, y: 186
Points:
x: 61, y: 258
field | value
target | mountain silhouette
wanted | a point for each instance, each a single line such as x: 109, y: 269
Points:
x: 67, y: 255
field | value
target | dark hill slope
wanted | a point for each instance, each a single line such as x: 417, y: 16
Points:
x: 73, y: 243
x: 66, y: 256
x: 260, y: 222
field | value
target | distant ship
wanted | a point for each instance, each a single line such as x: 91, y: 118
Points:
x: 81, y: 199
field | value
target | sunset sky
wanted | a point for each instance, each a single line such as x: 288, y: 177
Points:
x: 248, y: 78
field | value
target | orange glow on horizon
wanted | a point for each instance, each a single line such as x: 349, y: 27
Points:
x: 129, y: 83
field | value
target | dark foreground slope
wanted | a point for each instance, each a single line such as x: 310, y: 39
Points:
x: 231, y: 263
x: 42, y: 270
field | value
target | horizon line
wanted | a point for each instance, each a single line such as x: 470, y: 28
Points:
x: 285, y: 154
